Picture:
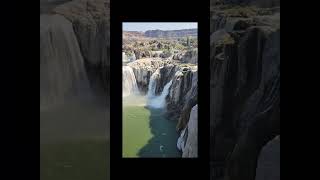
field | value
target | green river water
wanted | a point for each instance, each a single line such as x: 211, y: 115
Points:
x: 146, y: 131
x: 74, y: 142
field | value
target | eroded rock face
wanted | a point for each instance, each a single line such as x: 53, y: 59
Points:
x: 244, y: 88
x: 46, y: 6
x: 166, y: 73
x: 190, y: 56
x: 190, y: 150
x: 90, y: 21
x: 139, y: 54
x: 191, y: 99
x: 179, y: 94
x: 143, y: 70
x: 62, y: 72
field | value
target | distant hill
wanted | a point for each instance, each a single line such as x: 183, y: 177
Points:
x: 133, y: 35
x: 171, y: 33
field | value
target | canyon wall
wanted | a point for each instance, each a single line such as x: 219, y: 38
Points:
x: 244, y: 88
x: 189, y: 145
x: 154, y: 75
x: 143, y: 69
x: 183, y: 93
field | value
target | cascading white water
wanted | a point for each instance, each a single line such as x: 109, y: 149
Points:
x: 153, y: 84
x: 129, y: 83
x: 62, y: 71
x: 160, y: 101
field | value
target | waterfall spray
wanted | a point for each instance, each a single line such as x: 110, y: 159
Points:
x: 160, y: 101
x: 153, y: 84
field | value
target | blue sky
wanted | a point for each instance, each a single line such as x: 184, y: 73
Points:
x: 137, y: 26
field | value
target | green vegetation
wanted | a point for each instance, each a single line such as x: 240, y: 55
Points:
x: 167, y: 52
x: 180, y: 44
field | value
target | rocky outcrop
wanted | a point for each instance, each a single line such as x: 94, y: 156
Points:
x: 139, y: 54
x: 240, y: 18
x: 90, y: 20
x: 190, y: 149
x: 166, y: 54
x: 46, y: 6
x: 244, y: 89
x: 191, y: 99
x: 62, y: 71
x: 156, y: 54
x: 190, y: 56
x: 178, y: 56
x: 143, y: 69
x: 166, y: 73
x: 171, y: 33
x: 182, y: 95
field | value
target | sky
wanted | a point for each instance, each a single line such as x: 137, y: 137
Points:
x: 136, y: 26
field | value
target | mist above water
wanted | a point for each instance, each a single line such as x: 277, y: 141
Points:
x: 129, y: 83
x: 158, y: 102
x: 131, y: 95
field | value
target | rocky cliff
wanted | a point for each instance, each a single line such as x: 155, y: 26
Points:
x: 155, y: 74
x: 143, y: 69
x: 188, y: 140
x: 244, y: 87
x: 183, y: 95
x: 191, y: 56
x: 46, y: 6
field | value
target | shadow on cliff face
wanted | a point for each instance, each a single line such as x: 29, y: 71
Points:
x: 163, y: 142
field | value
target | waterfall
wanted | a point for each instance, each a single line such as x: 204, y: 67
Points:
x: 129, y: 83
x: 153, y: 84
x: 159, y: 101
x: 62, y: 70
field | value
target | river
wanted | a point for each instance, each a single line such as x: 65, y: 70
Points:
x: 146, y: 130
